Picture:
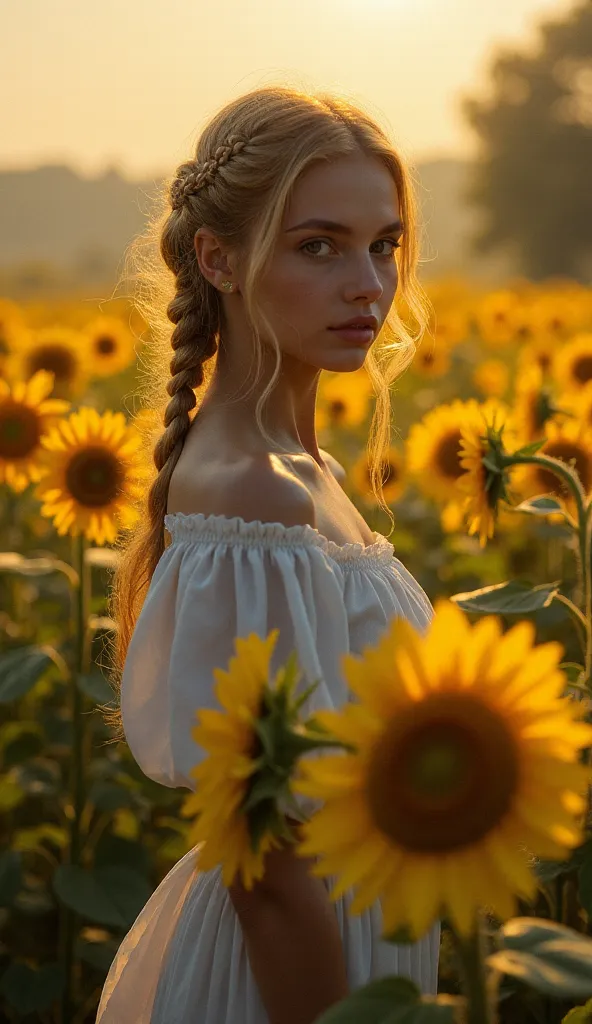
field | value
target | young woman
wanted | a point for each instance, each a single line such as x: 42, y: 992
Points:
x: 296, y: 217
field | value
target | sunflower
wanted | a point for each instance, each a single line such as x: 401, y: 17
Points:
x: 343, y: 400
x: 572, y: 365
x: 431, y: 360
x: 394, y: 483
x: 540, y: 351
x: 494, y: 316
x: 571, y: 442
x: 433, y: 447
x: 60, y: 350
x: 464, y: 767
x: 483, y: 427
x: 95, y: 473
x: 232, y: 743
x: 26, y: 413
x: 557, y: 314
x: 110, y: 346
x: 491, y: 377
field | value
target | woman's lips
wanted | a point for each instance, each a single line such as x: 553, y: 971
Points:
x: 356, y: 335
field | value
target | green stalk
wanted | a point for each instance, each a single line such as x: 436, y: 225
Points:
x: 471, y: 956
x: 76, y: 781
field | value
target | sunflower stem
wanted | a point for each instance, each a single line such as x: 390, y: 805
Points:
x: 471, y: 956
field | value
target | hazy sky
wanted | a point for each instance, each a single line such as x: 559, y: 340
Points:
x: 129, y: 83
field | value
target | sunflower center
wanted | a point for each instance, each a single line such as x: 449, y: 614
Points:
x: 105, y: 345
x: 566, y: 451
x: 19, y: 430
x: 582, y: 369
x: 55, y: 358
x: 448, y: 455
x: 389, y: 472
x: 443, y: 774
x: 94, y: 477
x: 337, y: 408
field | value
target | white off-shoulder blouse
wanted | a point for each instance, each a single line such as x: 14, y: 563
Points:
x: 184, y: 960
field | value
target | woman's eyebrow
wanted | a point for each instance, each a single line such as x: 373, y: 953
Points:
x: 330, y: 225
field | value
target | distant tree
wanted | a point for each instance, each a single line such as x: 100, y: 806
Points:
x: 532, y: 180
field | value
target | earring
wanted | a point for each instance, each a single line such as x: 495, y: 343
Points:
x: 227, y: 284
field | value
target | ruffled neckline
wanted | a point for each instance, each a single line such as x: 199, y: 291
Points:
x: 192, y: 525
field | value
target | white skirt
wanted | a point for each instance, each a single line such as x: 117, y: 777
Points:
x: 184, y: 961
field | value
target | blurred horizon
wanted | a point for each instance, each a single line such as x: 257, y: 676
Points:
x: 140, y: 111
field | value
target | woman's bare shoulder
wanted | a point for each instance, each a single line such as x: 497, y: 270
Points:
x: 256, y: 488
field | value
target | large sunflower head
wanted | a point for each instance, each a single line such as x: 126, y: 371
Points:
x: 572, y: 365
x: 95, y: 475
x: 26, y: 413
x: 485, y: 430
x: 59, y: 350
x: 231, y: 741
x: 433, y: 447
x: 110, y: 346
x: 464, y: 768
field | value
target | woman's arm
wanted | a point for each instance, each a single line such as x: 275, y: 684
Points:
x: 292, y: 939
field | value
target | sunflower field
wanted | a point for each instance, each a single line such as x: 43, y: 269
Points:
x: 489, y: 478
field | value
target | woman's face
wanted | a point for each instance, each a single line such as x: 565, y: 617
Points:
x: 323, y: 276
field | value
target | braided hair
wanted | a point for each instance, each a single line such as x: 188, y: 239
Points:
x: 196, y: 312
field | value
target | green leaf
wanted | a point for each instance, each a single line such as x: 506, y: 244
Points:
x: 540, y: 506
x: 393, y: 1000
x: 20, y: 669
x: 550, y: 957
x: 579, y: 1014
x: 108, y: 796
x: 112, y: 849
x: 99, y: 955
x: 110, y: 895
x: 128, y: 889
x: 510, y: 598
x: 95, y: 686
x: 531, y: 448
x: 373, y: 1002
x: 21, y: 741
x: 10, y: 877
x: 556, y: 974
x: 30, y: 991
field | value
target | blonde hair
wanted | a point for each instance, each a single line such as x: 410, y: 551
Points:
x: 246, y: 164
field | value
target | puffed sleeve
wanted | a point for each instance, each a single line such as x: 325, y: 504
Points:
x: 220, y: 579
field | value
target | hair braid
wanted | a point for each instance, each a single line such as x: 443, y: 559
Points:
x: 191, y: 176
x: 193, y: 342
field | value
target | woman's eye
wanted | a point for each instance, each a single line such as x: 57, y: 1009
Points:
x: 323, y: 241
